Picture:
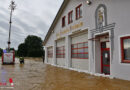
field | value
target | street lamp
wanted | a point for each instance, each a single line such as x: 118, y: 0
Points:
x: 12, y: 7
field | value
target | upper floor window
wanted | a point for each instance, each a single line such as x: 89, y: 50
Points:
x: 125, y: 49
x: 70, y: 17
x: 63, y: 21
x: 78, y: 12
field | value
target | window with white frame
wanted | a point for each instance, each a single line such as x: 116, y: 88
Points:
x: 125, y: 49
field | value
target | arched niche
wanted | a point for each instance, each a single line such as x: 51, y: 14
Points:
x: 101, y: 16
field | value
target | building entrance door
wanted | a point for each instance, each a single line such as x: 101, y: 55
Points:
x: 105, y: 57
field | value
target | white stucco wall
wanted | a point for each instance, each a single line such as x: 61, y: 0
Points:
x: 50, y: 61
x: 118, y: 11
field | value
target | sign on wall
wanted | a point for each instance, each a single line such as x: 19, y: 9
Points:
x: 69, y: 29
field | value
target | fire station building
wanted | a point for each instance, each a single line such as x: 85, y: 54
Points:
x: 91, y: 35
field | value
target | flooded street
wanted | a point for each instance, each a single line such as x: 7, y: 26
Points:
x: 34, y: 75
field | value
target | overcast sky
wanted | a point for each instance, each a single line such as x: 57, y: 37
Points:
x: 31, y: 17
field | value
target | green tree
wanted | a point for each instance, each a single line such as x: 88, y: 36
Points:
x: 32, y: 47
x: 12, y: 49
x: 22, y: 50
x: 1, y: 51
x: 16, y: 53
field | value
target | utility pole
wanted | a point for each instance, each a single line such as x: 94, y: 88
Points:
x: 12, y: 7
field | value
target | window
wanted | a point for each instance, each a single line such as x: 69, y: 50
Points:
x: 80, y: 50
x: 78, y: 12
x: 63, y: 21
x: 60, y: 52
x: 105, y: 44
x: 50, y: 52
x: 125, y: 49
x: 70, y: 17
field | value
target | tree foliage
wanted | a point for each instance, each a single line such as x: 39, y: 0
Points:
x: 1, y: 51
x: 32, y: 47
x: 22, y: 50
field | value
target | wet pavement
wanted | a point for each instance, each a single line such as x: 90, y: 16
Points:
x: 34, y: 75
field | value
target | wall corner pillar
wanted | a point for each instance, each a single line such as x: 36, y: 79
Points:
x: 68, y: 51
x: 54, y: 53
x: 45, y: 48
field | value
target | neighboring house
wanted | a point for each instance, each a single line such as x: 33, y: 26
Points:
x: 91, y: 35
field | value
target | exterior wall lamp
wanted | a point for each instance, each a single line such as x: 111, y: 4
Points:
x: 88, y: 2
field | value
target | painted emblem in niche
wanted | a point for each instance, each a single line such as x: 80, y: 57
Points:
x: 101, y: 16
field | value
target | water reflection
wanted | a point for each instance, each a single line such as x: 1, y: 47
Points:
x: 21, y: 65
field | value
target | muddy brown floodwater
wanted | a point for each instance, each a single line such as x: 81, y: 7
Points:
x: 34, y: 75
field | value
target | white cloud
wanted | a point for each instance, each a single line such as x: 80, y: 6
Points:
x: 2, y: 31
x: 31, y: 17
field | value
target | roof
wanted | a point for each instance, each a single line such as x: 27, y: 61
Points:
x: 65, y: 2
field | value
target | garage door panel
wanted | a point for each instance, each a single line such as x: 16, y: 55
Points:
x: 79, y: 55
x: 80, y: 64
x: 80, y: 38
x: 60, y: 42
x: 60, y: 61
x: 50, y: 55
x: 50, y: 60
x: 60, y: 52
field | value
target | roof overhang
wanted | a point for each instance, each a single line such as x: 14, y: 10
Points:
x: 65, y: 2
